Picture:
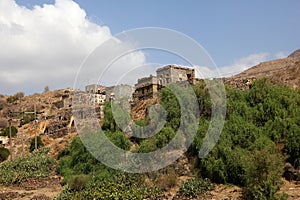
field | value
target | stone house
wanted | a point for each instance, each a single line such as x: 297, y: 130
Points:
x: 148, y: 87
x: 173, y: 73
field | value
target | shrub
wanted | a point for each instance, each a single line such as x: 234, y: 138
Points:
x: 78, y: 182
x: 37, y: 165
x: 168, y: 180
x: 4, y: 153
x: 5, y: 132
x: 293, y: 146
x: 195, y: 186
x: 26, y: 119
x: 262, y: 173
x: 32, y: 143
x: 15, y: 97
x: 95, y: 180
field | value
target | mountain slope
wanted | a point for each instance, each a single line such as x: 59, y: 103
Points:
x: 281, y: 71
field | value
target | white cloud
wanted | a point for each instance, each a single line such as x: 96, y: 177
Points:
x: 281, y: 54
x: 244, y: 63
x: 236, y: 67
x: 45, y: 45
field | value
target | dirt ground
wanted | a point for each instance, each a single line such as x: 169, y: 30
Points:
x: 33, y: 189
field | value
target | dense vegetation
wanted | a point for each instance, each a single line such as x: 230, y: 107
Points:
x: 249, y: 154
x: 87, y: 178
x: 261, y: 132
x: 37, y: 165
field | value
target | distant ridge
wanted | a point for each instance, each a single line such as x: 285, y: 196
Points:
x: 281, y: 71
x: 295, y: 54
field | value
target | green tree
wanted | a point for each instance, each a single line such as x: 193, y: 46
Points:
x: 5, y: 132
x: 4, y: 153
x: 39, y: 143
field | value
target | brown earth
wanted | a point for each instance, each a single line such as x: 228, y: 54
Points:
x: 33, y: 189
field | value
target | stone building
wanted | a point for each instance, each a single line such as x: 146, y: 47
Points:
x: 95, y: 89
x: 172, y: 74
x: 146, y: 87
x: 98, y: 91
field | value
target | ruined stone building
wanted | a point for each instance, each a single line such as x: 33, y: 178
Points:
x: 172, y: 74
x: 148, y: 87
x: 95, y: 89
x: 98, y: 91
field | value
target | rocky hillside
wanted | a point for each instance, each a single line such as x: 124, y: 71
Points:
x: 54, y: 119
x: 281, y: 71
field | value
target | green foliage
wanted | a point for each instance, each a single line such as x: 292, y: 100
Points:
x: 86, y: 178
x: 293, y: 146
x: 26, y: 119
x: 38, y: 165
x: 4, y: 153
x: 262, y: 172
x: 5, y: 132
x: 15, y: 97
x: 246, y: 154
x: 118, y: 138
x: 78, y: 182
x: 39, y: 143
x: 194, y: 187
x: 256, y: 121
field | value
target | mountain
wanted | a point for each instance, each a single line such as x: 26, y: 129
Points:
x: 281, y: 71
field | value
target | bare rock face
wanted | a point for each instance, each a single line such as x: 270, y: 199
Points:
x: 295, y: 54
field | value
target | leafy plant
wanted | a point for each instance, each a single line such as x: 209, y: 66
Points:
x: 4, y: 153
x: 37, y: 165
x: 195, y: 186
x: 39, y: 143
x: 6, y: 131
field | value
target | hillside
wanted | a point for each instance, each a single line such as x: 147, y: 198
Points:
x: 281, y: 71
x: 260, y: 119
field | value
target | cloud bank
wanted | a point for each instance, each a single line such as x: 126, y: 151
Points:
x: 45, y: 45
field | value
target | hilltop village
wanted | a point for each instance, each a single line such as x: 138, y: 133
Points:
x: 54, y: 108
x: 49, y: 116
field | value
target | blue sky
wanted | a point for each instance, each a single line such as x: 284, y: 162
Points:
x: 228, y: 30
x: 44, y: 45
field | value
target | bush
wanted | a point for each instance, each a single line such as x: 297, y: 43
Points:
x: 5, y: 132
x: 15, y: 97
x: 95, y: 180
x: 293, y: 146
x: 262, y: 173
x: 26, y: 119
x: 4, y: 153
x: 167, y: 181
x: 38, y: 165
x: 78, y: 182
x: 32, y: 143
x: 195, y: 186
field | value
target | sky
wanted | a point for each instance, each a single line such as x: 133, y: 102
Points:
x: 44, y: 42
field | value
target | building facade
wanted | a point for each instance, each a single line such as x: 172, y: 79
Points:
x: 173, y: 73
x: 148, y: 87
x: 95, y: 89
